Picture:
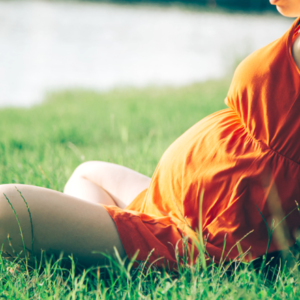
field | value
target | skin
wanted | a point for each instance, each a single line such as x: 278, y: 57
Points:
x: 296, y: 51
x: 288, y: 8
x: 75, y: 222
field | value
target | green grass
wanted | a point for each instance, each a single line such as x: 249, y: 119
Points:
x: 43, y: 145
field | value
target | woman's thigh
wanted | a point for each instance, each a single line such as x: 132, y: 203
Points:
x: 121, y: 183
x: 60, y: 223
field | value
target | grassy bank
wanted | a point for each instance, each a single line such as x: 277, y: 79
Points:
x: 43, y: 145
x: 129, y: 127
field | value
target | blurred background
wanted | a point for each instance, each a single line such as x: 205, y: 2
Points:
x: 47, y: 46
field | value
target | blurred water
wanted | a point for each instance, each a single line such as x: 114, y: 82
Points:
x: 47, y: 46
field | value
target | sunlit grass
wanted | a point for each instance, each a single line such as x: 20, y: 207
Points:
x: 43, y: 145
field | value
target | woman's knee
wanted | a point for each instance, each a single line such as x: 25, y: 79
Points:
x: 83, y: 169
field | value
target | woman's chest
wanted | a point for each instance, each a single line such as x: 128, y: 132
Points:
x: 296, y: 51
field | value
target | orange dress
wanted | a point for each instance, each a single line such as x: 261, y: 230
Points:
x: 245, y: 158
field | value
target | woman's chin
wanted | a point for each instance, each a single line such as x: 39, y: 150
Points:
x: 287, y: 13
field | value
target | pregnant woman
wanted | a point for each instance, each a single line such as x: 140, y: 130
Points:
x: 245, y: 159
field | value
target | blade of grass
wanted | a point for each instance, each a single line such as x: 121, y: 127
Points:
x: 202, y: 255
x: 30, y: 217
x: 43, y: 172
x: 21, y: 232
x: 235, y: 245
x: 224, y: 246
x: 270, y: 233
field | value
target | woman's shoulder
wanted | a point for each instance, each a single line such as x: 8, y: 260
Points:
x: 262, y: 66
x: 266, y: 85
x: 268, y: 67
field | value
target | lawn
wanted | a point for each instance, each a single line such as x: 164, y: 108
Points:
x: 42, y: 145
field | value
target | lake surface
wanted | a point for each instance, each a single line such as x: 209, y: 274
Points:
x: 46, y: 46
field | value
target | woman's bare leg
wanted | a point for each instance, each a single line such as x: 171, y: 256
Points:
x: 60, y: 223
x: 106, y: 183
